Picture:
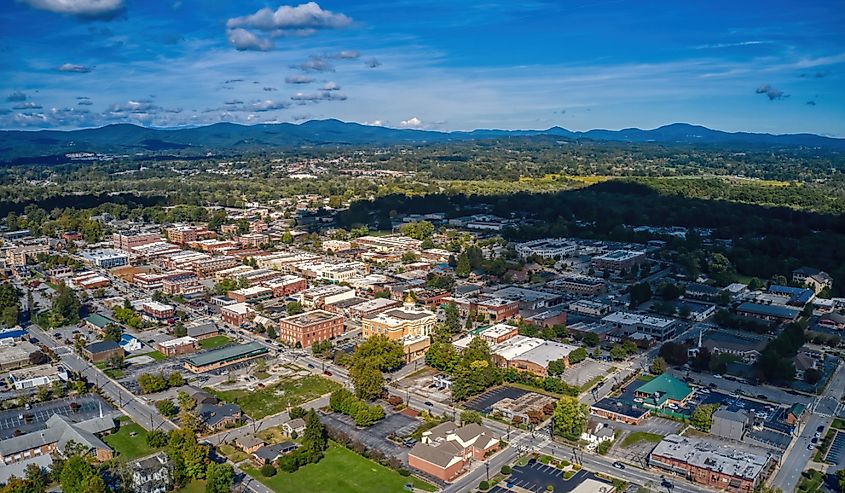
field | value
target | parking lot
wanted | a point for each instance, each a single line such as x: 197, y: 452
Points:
x: 484, y: 402
x: 33, y: 419
x: 375, y: 437
x: 536, y: 477
x: 836, y: 453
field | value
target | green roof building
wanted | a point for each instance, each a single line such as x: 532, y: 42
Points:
x: 662, y: 390
x: 225, y: 356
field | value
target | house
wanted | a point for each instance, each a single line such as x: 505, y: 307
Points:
x: 804, y: 362
x: 59, y: 432
x: 102, y: 351
x: 445, y: 449
x: 269, y: 454
x: 295, y: 425
x: 597, y: 432
x: 816, y: 279
x: 219, y: 416
x: 129, y: 343
x: 663, y: 390
x: 151, y: 474
x: 794, y: 413
x: 203, y: 330
x: 249, y: 443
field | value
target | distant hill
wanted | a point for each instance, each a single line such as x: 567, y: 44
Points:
x: 18, y: 147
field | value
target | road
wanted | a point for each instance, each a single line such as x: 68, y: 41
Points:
x: 140, y: 412
x: 796, y: 457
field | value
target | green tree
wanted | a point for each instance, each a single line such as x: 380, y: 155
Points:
x: 577, y: 355
x: 570, y: 417
x: 702, y: 416
x: 468, y: 417
x: 219, y: 478
x: 463, y: 268
x: 658, y: 366
x: 295, y: 308
x: 367, y: 380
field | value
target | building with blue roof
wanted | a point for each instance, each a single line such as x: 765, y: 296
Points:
x: 797, y: 296
x: 15, y: 334
x: 771, y: 313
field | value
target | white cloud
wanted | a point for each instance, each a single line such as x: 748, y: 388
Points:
x: 412, y: 122
x: 72, y: 67
x: 102, y: 9
x: 268, y: 105
x: 244, y: 40
x: 305, y: 16
x: 299, y: 79
x: 318, y: 96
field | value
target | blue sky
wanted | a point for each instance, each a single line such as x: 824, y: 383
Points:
x: 774, y: 66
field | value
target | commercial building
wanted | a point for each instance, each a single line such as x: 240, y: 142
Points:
x: 445, y: 449
x: 714, y: 465
x: 556, y: 248
x: 236, y: 314
x: 286, y: 285
x: 628, y: 324
x: 578, y: 284
x: 252, y: 294
x: 19, y: 255
x: 102, y: 351
x: 59, y: 432
x: 618, y: 259
x: 307, y: 328
x: 771, y: 313
x: 224, y: 357
x: 128, y: 241
x: 729, y: 424
x: 530, y: 354
x: 37, y: 376
x: 178, y: 346
x: 157, y: 310
x: 322, y: 295
x: 663, y: 390
x: 106, y: 258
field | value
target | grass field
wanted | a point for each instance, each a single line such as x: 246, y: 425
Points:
x: 126, y: 446
x: 278, y: 397
x: 340, y: 471
x: 195, y: 486
x: 233, y: 453
x: 214, y: 342
x: 640, y: 436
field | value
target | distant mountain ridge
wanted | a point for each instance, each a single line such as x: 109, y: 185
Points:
x: 127, y: 138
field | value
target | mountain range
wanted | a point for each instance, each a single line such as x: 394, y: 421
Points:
x: 18, y: 146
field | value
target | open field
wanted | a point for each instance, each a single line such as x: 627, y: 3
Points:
x: 332, y: 475
x: 125, y: 445
x: 214, y: 342
x: 278, y: 397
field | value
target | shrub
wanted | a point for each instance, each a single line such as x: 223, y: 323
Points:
x: 484, y: 485
x: 267, y: 470
x: 506, y: 469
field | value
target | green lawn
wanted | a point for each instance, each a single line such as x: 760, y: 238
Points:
x: 640, y: 436
x: 128, y: 447
x: 278, y: 397
x: 195, y: 486
x: 214, y: 342
x: 340, y: 471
